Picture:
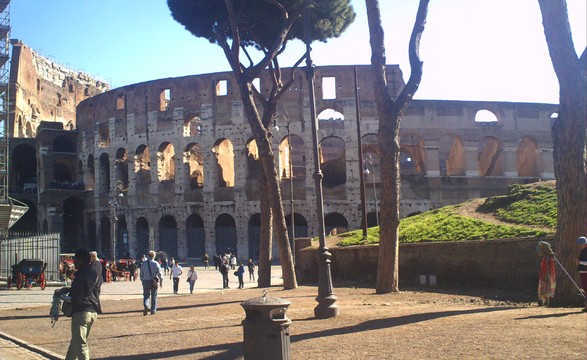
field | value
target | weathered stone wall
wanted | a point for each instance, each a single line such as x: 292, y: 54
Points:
x: 508, y: 263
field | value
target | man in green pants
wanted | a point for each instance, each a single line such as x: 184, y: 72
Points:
x: 84, y: 290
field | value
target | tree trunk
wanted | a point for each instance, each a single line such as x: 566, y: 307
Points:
x: 568, y: 137
x: 265, y: 243
x: 267, y: 158
x: 390, y: 113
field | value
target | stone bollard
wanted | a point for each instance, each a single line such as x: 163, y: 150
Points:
x: 266, y: 328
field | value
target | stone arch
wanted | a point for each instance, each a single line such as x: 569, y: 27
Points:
x: 490, y: 156
x: 142, y: 231
x: 193, y: 159
x: 63, y: 172
x: 24, y: 168
x: 73, y: 229
x: 168, y: 236
x: 254, y: 230
x: 331, y: 115
x: 333, y: 162
x: 451, y: 156
x: 195, y: 236
x: 292, y: 148
x: 486, y: 116
x: 103, y: 136
x: 526, y: 159
x: 370, y: 143
x: 254, y: 170
x: 300, y: 225
x: 121, y: 166
x: 335, y: 223
x: 224, y: 151
x: 143, y: 165
x: 225, y: 230
x: 64, y: 144
x: 412, y: 155
x: 166, y: 162
x: 104, y: 172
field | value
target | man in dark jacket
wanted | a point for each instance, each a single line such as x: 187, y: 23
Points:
x: 84, y: 305
x: 224, y: 272
x: 97, y: 265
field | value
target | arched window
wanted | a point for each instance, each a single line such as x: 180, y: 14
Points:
x: 166, y: 162
x: 526, y: 158
x: 335, y: 223
x: 485, y: 116
x: 412, y: 154
x: 225, y: 229
x: 193, y: 159
x: 142, y: 165
x: 333, y: 161
x: 292, y: 153
x: 224, y: 152
x: 192, y: 126
x: 104, y: 169
x: 121, y: 166
x: 168, y: 235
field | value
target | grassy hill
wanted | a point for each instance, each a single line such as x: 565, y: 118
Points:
x: 526, y: 211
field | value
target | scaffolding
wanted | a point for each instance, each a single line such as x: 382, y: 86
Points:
x: 10, y: 209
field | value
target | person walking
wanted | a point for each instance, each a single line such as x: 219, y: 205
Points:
x: 165, y: 265
x: 192, y: 277
x: 224, y: 272
x: 232, y: 262
x: 176, y: 271
x: 251, y: 267
x: 171, y: 263
x: 150, y: 270
x: 205, y: 259
x: 97, y: 266
x: 216, y: 260
x: 84, y: 305
x: 240, y: 272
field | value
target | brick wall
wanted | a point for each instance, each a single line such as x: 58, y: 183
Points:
x: 508, y: 263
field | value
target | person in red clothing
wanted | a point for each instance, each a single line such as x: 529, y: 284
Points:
x: 582, y: 266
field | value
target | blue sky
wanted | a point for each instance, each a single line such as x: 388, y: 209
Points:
x: 472, y: 49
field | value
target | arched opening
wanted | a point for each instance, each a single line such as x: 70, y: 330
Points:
x: 225, y: 230
x: 292, y: 153
x: 92, y: 241
x: 19, y: 127
x: 335, y: 223
x: 224, y: 152
x: 196, y: 236
x: 24, y: 165
x: 143, y: 165
x: 104, y: 174
x: 90, y: 173
x: 63, y: 172
x: 526, y: 158
x: 168, y: 235
x: 254, y: 236
x: 166, y: 162
x: 121, y: 166
x: 63, y: 144
x: 105, y: 236
x: 412, y: 155
x: 254, y: 171
x: 333, y: 163
x: 103, y: 136
x: 451, y: 156
x: 142, y: 228
x: 485, y: 116
x: 29, y: 130
x: 330, y: 115
x: 73, y: 230
x: 490, y: 156
x: 300, y: 227
x: 194, y: 163
x: 192, y: 126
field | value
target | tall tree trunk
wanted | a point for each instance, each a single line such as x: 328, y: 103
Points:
x: 265, y: 243
x: 267, y: 158
x: 568, y: 137
x: 390, y: 113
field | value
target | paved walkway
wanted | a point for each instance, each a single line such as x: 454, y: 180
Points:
x: 208, y: 280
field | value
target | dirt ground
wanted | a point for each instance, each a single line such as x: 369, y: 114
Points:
x: 443, y: 324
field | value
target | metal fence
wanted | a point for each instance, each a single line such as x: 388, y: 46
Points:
x: 18, y: 246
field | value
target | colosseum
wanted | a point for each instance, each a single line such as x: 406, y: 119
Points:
x: 170, y: 163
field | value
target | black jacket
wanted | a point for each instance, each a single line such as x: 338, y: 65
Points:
x: 83, y: 290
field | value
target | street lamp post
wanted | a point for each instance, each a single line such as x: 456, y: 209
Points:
x: 114, y: 203
x: 326, y: 299
x: 369, y: 161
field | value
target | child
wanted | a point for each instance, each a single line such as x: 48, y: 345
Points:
x: 582, y: 268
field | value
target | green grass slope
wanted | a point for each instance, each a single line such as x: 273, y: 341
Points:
x: 526, y: 211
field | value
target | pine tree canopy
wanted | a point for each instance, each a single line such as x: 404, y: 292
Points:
x: 259, y: 21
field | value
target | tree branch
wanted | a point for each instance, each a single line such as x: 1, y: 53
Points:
x: 234, y: 28
x: 251, y: 62
x: 411, y: 87
x: 291, y: 79
x: 221, y: 39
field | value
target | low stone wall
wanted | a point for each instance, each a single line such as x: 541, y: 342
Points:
x: 507, y: 263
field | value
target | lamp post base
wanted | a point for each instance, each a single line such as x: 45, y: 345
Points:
x: 326, y: 308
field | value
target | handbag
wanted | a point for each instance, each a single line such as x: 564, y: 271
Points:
x: 154, y: 281
x: 236, y: 273
x: 188, y: 279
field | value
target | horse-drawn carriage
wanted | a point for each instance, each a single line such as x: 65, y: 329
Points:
x: 28, y: 272
x: 66, y: 267
x: 124, y: 269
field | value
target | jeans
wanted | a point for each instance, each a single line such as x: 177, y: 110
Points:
x: 241, y: 283
x: 225, y: 281
x: 175, y: 284
x: 81, y: 324
x: 192, y: 284
x: 149, y: 293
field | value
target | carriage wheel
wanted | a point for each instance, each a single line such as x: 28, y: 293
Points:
x: 18, y: 280
x: 108, y: 276
x: 9, y: 282
x: 42, y: 281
